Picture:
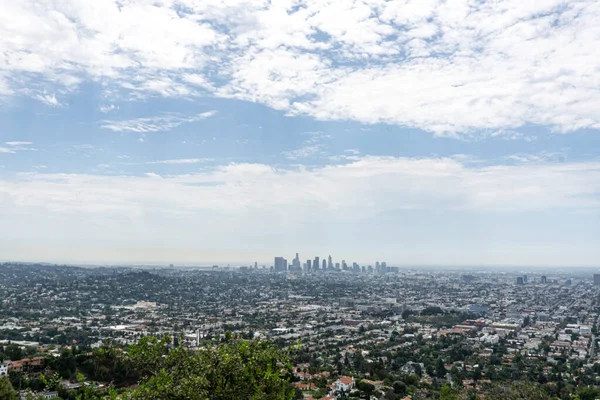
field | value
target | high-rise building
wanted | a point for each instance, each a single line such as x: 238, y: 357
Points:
x: 316, y: 264
x: 337, y: 265
x: 377, y: 266
x: 309, y: 265
x: 296, y: 262
x: 524, y: 278
x: 596, y: 279
x: 324, y: 265
x: 344, y: 265
x: 280, y: 264
x: 519, y: 280
x: 329, y: 262
x: 544, y: 279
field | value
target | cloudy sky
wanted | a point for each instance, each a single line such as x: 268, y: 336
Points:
x: 421, y: 132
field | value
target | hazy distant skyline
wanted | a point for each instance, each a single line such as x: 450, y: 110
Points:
x: 427, y: 133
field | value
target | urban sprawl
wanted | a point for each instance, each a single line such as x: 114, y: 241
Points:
x: 359, y: 331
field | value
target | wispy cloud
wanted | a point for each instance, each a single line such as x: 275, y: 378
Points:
x: 159, y: 123
x: 18, y: 143
x: 15, y: 146
x: 304, y: 152
x: 106, y: 108
x: 47, y: 99
x: 311, y: 147
x: 181, y: 161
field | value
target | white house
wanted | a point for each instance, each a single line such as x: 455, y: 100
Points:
x: 344, y: 384
x: 3, y: 369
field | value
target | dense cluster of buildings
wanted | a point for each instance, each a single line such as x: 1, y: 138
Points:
x: 374, y: 328
x: 315, y: 265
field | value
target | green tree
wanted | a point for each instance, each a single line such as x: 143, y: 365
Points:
x: 440, y: 368
x: 400, y: 388
x: 6, y: 389
x: 233, y: 369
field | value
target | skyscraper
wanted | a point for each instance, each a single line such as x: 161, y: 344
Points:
x: 280, y: 264
x: 544, y: 279
x: 329, y: 262
x: 309, y: 264
x: 324, y: 265
x: 316, y: 264
x: 596, y: 279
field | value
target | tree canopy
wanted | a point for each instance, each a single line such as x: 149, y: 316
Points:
x: 234, y: 369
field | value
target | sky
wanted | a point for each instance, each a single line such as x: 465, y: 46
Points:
x: 417, y: 132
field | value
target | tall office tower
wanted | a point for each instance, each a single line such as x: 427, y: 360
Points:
x: 364, y: 269
x: 280, y: 264
x: 344, y: 265
x: 524, y: 278
x: 377, y: 266
x: 324, y: 265
x: 355, y: 267
x: 384, y: 265
x: 337, y: 265
x: 596, y: 279
x: 519, y: 280
x: 297, y: 261
x: 329, y: 262
x: 255, y: 265
x: 370, y: 269
x: 316, y: 264
x: 544, y: 279
x: 309, y: 264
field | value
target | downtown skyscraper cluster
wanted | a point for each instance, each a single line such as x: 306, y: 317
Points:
x: 315, y: 265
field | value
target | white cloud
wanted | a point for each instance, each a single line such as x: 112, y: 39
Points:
x: 47, y: 99
x: 15, y: 143
x: 160, y: 123
x: 16, y: 146
x: 106, y: 108
x: 311, y: 147
x: 181, y: 161
x: 448, y: 67
x: 305, y: 152
x: 377, y: 185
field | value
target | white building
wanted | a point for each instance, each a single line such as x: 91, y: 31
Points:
x: 344, y: 384
x: 3, y: 369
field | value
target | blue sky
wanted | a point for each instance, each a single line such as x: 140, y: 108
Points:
x: 419, y: 133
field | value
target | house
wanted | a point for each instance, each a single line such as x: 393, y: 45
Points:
x: 411, y: 368
x: 306, y: 386
x: 16, y: 366
x: 3, y: 369
x: 344, y: 384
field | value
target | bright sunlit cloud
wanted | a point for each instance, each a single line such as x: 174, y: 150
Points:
x: 448, y: 67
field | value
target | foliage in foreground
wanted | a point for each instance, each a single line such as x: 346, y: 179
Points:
x: 6, y: 390
x: 234, y: 369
